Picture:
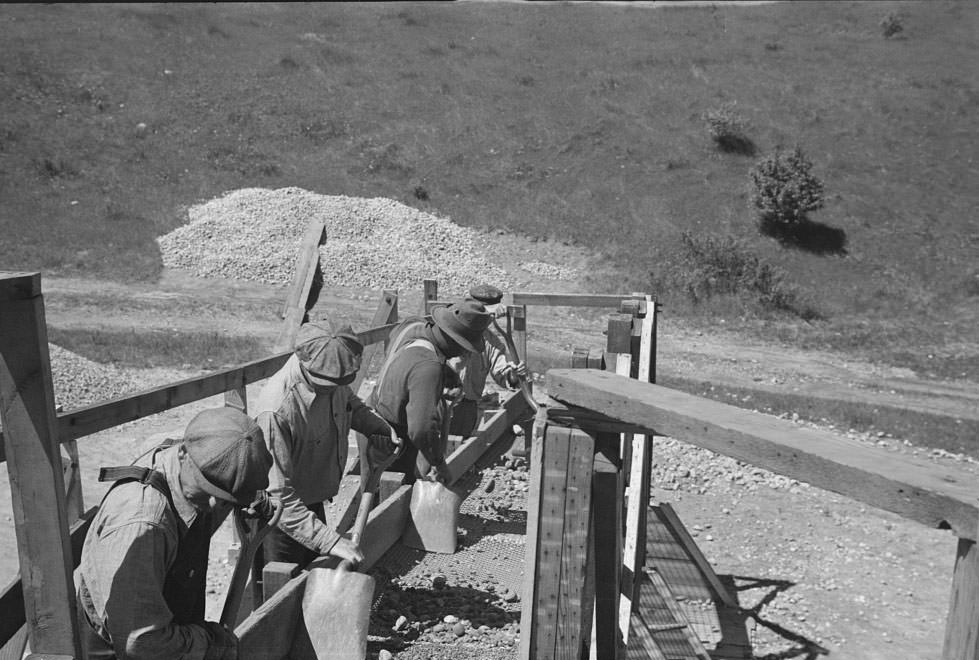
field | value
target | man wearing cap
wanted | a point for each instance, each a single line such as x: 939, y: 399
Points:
x: 306, y: 411
x: 473, y: 368
x: 141, y: 579
x: 409, y: 388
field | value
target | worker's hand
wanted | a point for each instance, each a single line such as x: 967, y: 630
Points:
x: 347, y: 549
x: 397, y: 444
x: 222, y: 644
x: 439, y: 473
x: 515, y: 373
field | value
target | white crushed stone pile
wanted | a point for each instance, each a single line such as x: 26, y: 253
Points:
x: 255, y: 234
x: 550, y: 271
x: 79, y: 381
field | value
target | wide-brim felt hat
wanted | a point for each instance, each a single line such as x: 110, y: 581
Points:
x: 329, y: 357
x: 465, y: 322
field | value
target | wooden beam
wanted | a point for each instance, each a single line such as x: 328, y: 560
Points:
x: 962, y: 625
x: 275, y: 575
x: 386, y: 312
x: 512, y: 409
x: 35, y: 469
x: 430, y: 293
x: 607, y: 493
x: 267, y: 633
x: 934, y: 495
x: 528, y: 638
x: 569, y: 299
x: 295, y: 306
x: 560, y: 414
x: 100, y: 416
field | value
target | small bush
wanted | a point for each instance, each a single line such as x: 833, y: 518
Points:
x: 715, y: 265
x: 891, y: 24
x: 783, y: 188
x: 728, y: 130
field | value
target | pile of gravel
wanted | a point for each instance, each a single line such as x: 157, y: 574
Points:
x: 550, y: 271
x: 255, y: 233
x: 79, y: 381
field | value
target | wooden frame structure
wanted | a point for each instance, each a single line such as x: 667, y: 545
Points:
x: 589, y: 479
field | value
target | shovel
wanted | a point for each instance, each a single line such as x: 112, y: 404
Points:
x: 433, y: 514
x: 265, y: 512
x: 337, y: 602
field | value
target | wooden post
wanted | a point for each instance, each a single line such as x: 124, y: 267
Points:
x: 387, y: 312
x: 430, y: 293
x: 962, y: 625
x: 607, y: 536
x: 35, y: 468
x: 559, y: 508
x: 302, y: 280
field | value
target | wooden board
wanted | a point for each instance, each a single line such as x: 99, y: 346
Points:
x: 669, y: 518
x: 512, y: 410
x: 386, y: 313
x: 36, y: 471
x: 934, y: 495
x: 307, y: 260
x: 962, y: 628
x: 568, y: 299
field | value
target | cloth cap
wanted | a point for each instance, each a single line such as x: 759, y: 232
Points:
x: 486, y: 294
x: 464, y: 321
x: 329, y: 357
x: 228, y: 450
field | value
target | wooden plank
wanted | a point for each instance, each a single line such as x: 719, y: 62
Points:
x: 386, y: 313
x: 569, y: 299
x: 528, y: 638
x: 672, y: 521
x: 385, y: 525
x: 302, y: 279
x: 576, y: 541
x: 512, y: 409
x: 36, y: 472
x: 19, y: 286
x: 962, y: 625
x: 560, y: 414
x: 607, y: 502
x: 100, y: 416
x: 12, y: 616
x: 275, y: 575
x: 267, y: 633
x: 237, y: 399
x: 935, y: 495
x: 551, y: 521
x: 634, y: 545
x: 430, y: 293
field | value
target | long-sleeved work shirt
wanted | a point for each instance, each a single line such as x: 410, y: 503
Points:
x: 126, y: 560
x: 409, y: 389
x: 473, y: 368
x: 306, y: 433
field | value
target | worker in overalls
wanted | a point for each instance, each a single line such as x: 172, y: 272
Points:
x: 306, y: 411
x: 473, y: 368
x: 409, y: 390
x: 141, y: 580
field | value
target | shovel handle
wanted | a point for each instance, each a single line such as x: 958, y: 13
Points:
x: 249, y: 545
x: 363, y: 512
x: 514, y: 357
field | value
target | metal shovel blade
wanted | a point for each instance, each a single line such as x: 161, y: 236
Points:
x: 433, y: 518
x: 336, y: 613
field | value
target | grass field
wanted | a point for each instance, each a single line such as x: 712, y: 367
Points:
x: 577, y: 122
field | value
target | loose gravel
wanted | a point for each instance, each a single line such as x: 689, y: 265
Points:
x: 79, y: 381
x: 255, y: 233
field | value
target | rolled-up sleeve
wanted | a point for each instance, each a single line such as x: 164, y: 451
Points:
x: 297, y: 521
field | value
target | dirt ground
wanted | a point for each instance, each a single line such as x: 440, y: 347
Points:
x: 818, y: 574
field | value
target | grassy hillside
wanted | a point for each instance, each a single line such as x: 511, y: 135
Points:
x: 579, y: 122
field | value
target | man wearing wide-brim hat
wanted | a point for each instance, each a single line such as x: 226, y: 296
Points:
x: 141, y: 580
x: 474, y: 368
x: 306, y: 411
x: 409, y: 389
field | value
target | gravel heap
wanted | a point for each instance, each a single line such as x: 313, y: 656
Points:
x: 255, y: 233
x: 79, y: 381
x: 550, y: 271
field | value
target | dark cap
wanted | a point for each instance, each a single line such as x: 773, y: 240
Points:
x: 464, y: 321
x: 486, y: 294
x: 329, y: 357
x: 228, y: 450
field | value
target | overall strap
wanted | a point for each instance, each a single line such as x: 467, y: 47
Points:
x: 395, y: 349
x: 143, y: 475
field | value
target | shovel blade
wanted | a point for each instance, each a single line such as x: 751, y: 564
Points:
x: 336, y: 616
x: 433, y: 518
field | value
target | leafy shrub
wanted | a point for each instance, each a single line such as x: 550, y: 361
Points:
x: 891, y: 24
x: 718, y: 265
x: 728, y: 130
x: 784, y: 188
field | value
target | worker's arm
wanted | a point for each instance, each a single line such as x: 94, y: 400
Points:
x: 133, y: 560
x: 505, y: 373
x: 424, y: 385
x: 297, y: 521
